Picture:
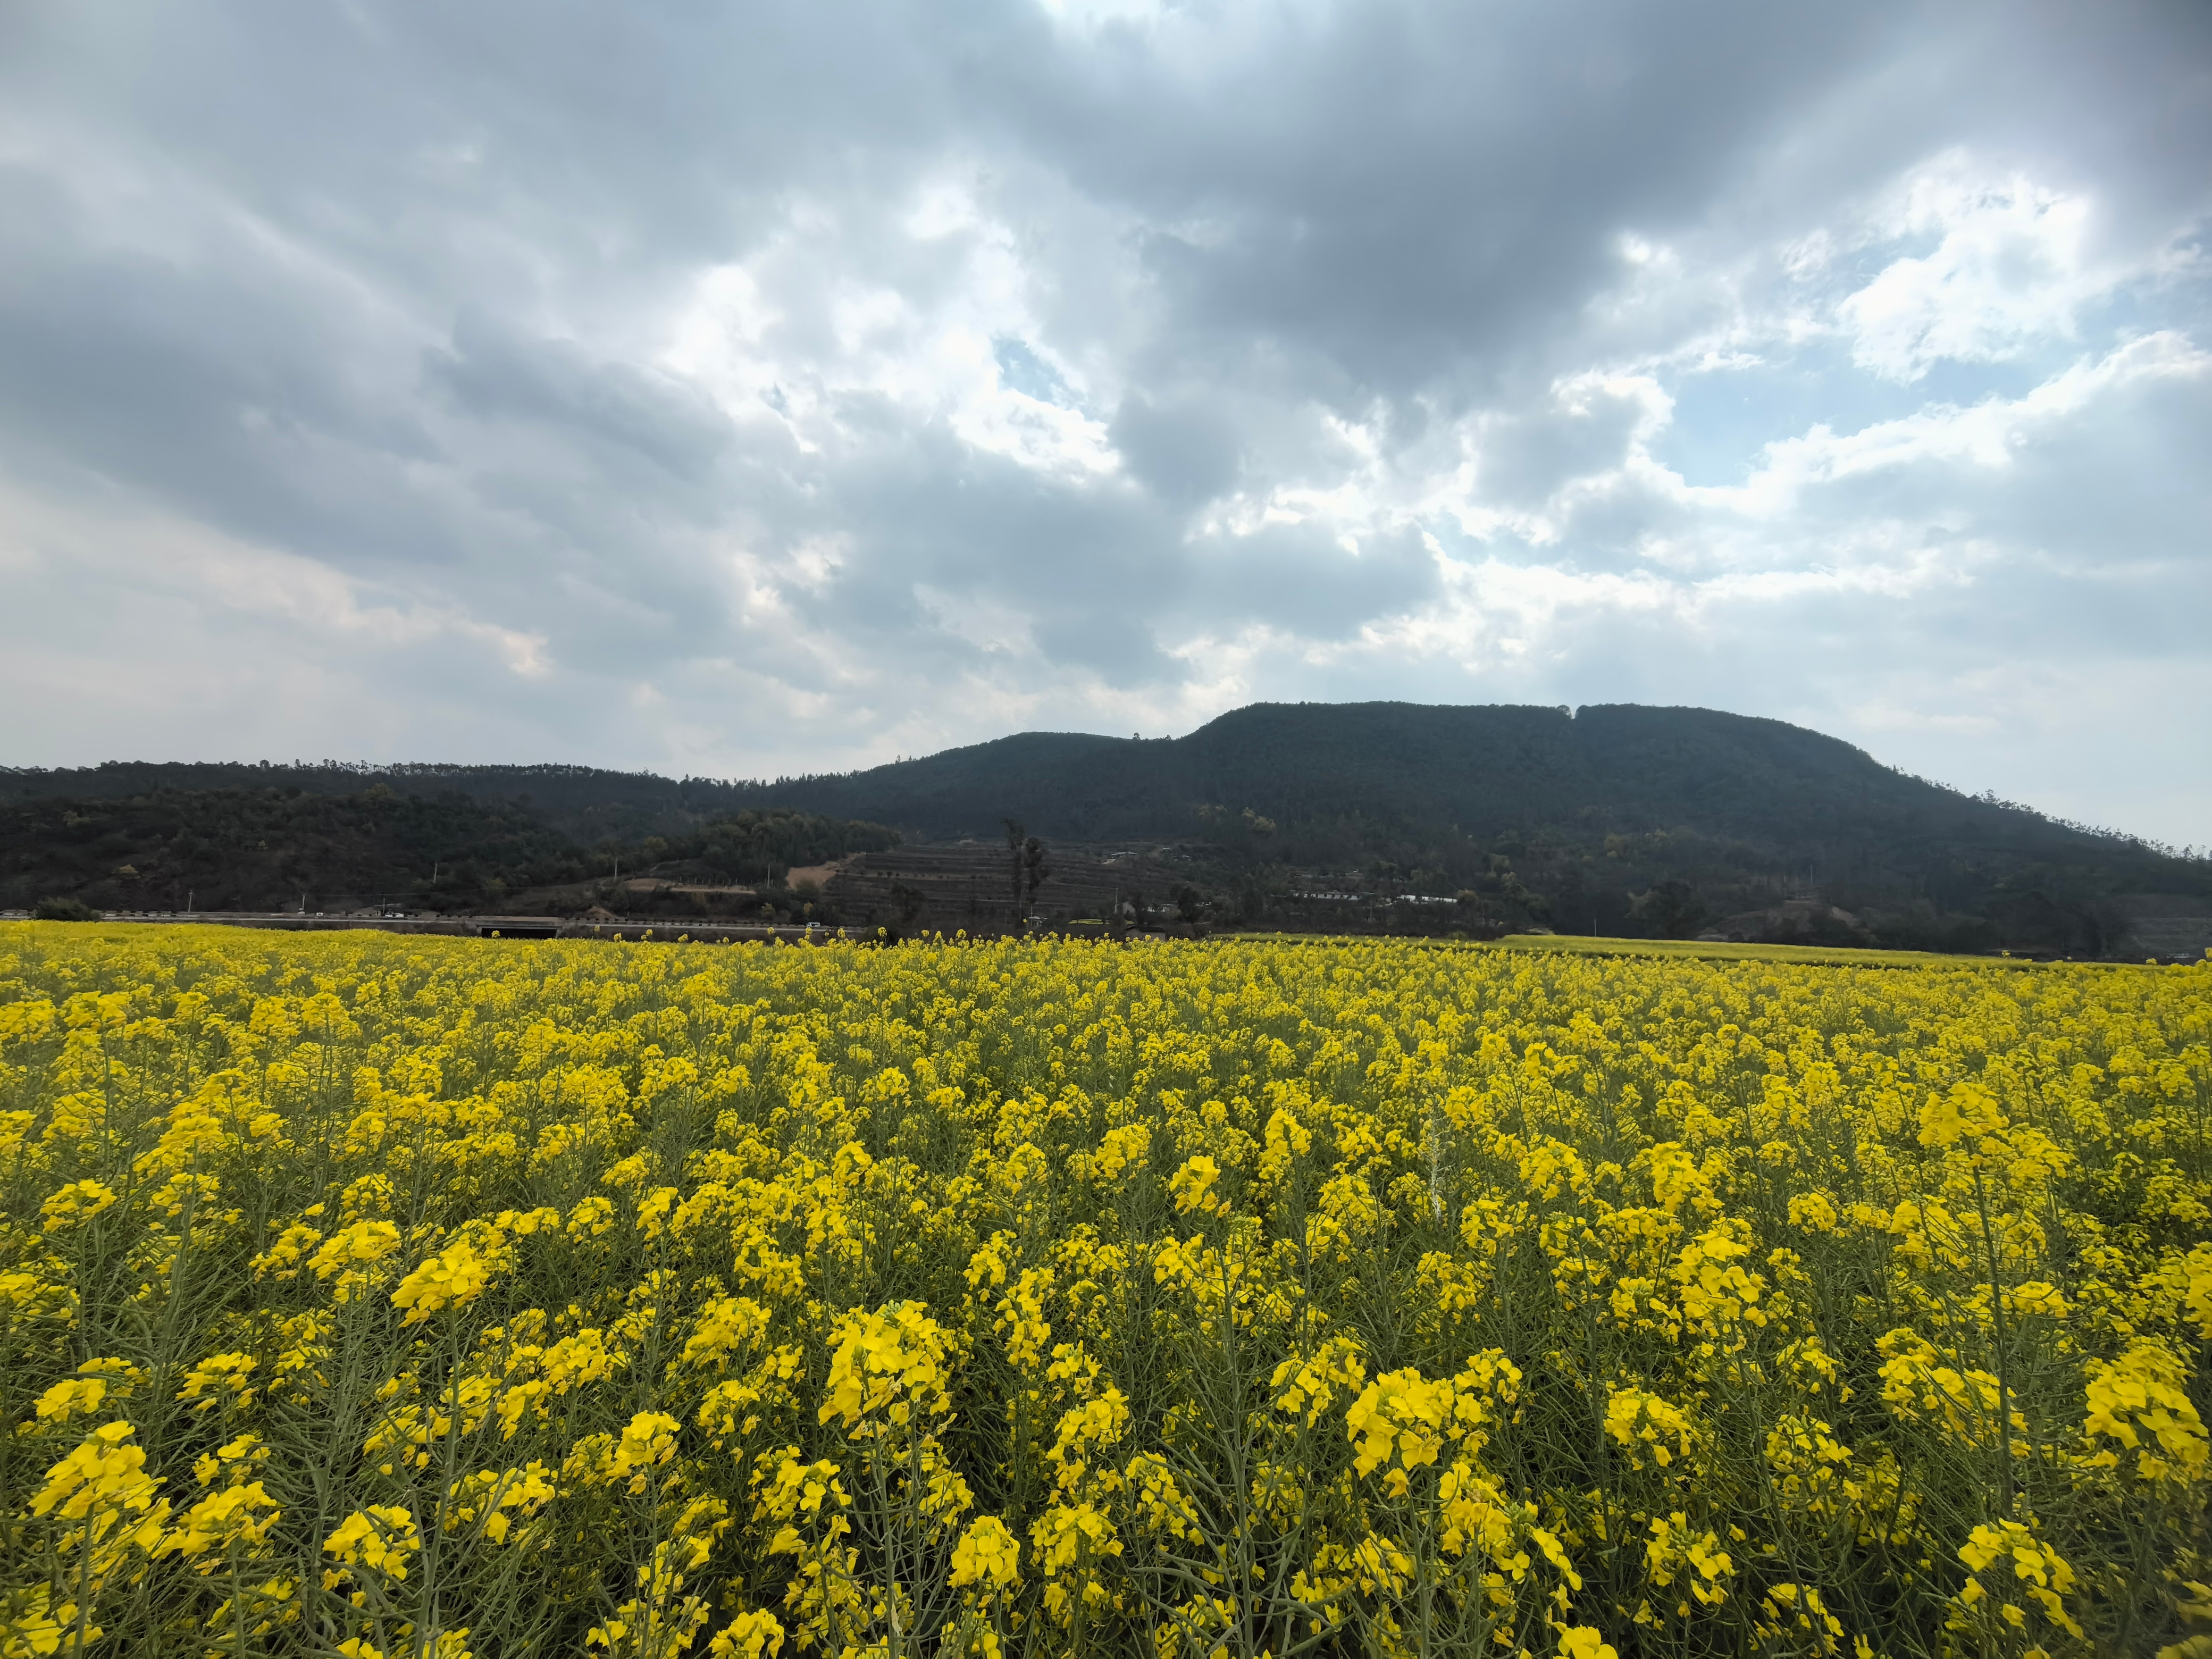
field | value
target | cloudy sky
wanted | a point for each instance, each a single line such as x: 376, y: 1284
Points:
x: 742, y: 389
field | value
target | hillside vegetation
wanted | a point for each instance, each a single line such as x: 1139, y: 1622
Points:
x: 1618, y: 820
x: 586, y: 804
x: 279, y: 847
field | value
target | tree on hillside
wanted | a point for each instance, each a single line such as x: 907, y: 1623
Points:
x: 908, y: 901
x: 1671, y: 910
x: 1029, y: 869
x: 1034, y: 870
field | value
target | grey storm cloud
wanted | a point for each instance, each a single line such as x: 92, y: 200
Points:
x: 752, y: 388
x: 497, y: 375
x: 1185, y: 454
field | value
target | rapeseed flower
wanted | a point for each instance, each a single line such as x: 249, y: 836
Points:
x: 976, y: 1298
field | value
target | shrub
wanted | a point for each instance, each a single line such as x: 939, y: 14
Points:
x: 63, y: 907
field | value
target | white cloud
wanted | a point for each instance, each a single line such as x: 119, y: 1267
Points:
x: 2013, y: 267
x: 195, y: 567
x: 1987, y: 435
x: 913, y: 319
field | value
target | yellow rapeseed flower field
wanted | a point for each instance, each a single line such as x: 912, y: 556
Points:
x: 371, y: 1296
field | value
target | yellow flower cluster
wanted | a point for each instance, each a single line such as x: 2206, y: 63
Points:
x: 1240, y: 1300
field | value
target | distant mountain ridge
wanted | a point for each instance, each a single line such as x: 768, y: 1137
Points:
x: 583, y: 801
x: 1612, y: 818
x: 1600, y: 813
x: 1486, y: 768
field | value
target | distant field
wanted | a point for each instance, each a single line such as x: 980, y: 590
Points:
x: 1697, y: 950
x: 1713, y: 950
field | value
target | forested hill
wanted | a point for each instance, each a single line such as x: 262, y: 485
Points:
x: 1615, y: 819
x: 1324, y: 772
x: 1353, y: 771
x: 584, y: 802
x: 281, y: 847
x: 1611, y: 818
